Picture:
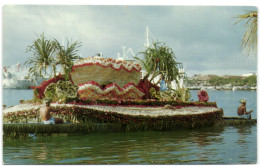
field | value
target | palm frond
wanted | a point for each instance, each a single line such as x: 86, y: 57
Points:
x: 42, y: 55
x: 249, y: 40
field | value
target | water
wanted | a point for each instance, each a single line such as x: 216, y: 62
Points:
x: 12, y: 97
x: 229, y: 100
x: 228, y: 145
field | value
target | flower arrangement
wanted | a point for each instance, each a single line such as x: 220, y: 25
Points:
x: 82, y: 114
x: 145, y: 86
x: 143, y: 103
x: 93, y: 90
x: 155, y: 94
x: 108, y: 62
x: 20, y: 116
x: 66, y: 89
x: 182, y: 94
x: 203, y: 96
x: 50, y: 92
x: 62, y: 90
x: 39, y: 90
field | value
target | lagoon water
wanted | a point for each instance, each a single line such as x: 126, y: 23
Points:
x: 226, y: 145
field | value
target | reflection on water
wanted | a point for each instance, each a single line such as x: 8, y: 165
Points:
x: 227, y: 145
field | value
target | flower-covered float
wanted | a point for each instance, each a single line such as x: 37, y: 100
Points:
x: 109, y: 91
x: 107, y: 78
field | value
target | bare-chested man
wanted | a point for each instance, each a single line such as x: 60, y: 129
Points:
x: 241, y: 110
x: 45, y: 115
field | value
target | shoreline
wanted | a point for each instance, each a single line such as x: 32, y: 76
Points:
x: 223, y: 88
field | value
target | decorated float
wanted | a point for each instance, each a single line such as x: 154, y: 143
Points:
x: 107, y: 78
x: 105, y: 94
x: 109, y: 91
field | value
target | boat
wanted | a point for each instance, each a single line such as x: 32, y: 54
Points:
x: 16, y: 77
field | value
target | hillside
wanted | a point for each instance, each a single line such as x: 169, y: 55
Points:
x: 214, y: 80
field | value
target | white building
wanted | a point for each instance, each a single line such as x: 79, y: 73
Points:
x: 249, y: 74
x: 16, y: 76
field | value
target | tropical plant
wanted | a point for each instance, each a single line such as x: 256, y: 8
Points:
x: 61, y: 91
x: 66, y: 55
x: 50, y: 92
x: 65, y: 89
x: 249, y: 41
x: 43, y: 56
x: 159, y: 59
x: 181, y: 94
x: 50, y: 53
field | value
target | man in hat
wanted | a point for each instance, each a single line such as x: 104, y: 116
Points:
x: 241, y: 110
x: 45, y: 114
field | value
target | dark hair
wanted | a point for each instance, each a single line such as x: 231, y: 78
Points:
x: 47, y: 102
x: 162, y: 76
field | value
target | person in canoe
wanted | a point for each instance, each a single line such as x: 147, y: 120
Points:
x: 241, y: 110
x: 45, y: 114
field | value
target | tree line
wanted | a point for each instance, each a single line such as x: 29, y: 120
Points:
x: 233, y: 80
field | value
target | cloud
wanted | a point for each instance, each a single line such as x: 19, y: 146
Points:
x: 204, y: 38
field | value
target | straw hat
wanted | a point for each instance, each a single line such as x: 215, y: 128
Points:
x: 242, y: 101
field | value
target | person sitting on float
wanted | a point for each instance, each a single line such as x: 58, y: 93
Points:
x: 163, y: 86
x: 241, y: 110
x: 45, y: 114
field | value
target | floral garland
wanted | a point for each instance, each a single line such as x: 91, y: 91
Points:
x: 18, y: 115
x: 92, y: 89
x: 66, y: 89
x: 77, y: 113
x: 203, y: 96
x: 143, y: 103
x: 145, y: 86
x: 40, y: 89
x: 108, y: 62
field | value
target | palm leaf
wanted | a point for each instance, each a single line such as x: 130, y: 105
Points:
x: 249, y: 40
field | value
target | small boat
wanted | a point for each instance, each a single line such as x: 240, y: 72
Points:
x: 233, y: 121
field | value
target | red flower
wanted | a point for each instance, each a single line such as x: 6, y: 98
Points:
x: 203, y: 96
x: 157, y: 60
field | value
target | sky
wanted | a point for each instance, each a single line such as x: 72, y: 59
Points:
x: 203, y: 38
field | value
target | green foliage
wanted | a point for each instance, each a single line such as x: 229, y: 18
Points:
x: 36, y: 98
x: 182, y: 94
x: 159, y: 59
x: 50, y: 92
x: 62, y: 91
x: 43, y: 52
x: 66, y: 89
x: 251, y: 80
x: 49, y: 54
x: 249, y: 41
x: 155, y: 94
x: 234, y: 81
x: 66, y: 55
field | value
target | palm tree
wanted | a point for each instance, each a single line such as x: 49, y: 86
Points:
x: 43, y: 56
x: 249, y: 41
x: 66, y: 55
x: 159, y: 59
